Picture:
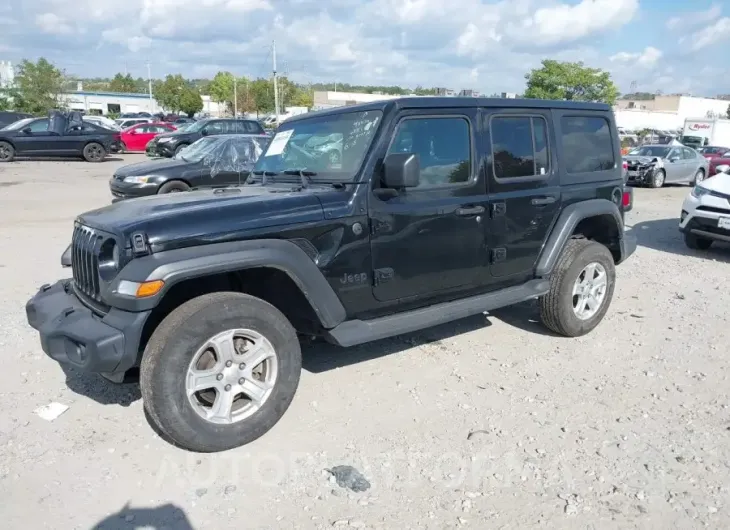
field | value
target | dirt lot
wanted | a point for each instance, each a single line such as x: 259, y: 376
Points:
x: 486, y: 423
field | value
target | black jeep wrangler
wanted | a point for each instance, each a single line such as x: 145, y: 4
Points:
x: 434, y: 210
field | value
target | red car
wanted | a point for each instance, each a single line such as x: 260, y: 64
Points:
x: 714, y: 151
x: 718, y: 161
x: 136, y: 137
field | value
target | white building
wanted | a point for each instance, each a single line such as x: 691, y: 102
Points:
x: 103, y: 103
x: 7, y: 74
x: 666, y: 112
x: 329, y: 99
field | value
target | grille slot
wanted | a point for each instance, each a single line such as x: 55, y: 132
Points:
x: 85, y: 245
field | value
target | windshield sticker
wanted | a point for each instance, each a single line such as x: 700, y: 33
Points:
x: 277, y: 145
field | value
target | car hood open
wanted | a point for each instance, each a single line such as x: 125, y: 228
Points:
x: 185, y: 219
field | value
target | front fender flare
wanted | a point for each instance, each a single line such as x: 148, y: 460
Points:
x: 565, y: 226
x: 174, y: 266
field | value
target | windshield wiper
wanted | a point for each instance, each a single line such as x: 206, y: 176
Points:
x: 304, y: 174
x: 264, y: 174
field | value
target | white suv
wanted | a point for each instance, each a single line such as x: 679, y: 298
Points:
x: 705, y: 213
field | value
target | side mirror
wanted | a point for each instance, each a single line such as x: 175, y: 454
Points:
x: 66, y: 257
x: 401, y: 170
x: 27, y: 130
x: 674, y: 159
x: 204, y: 132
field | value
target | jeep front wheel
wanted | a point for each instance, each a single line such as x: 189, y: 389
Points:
x: 581, y: 289
x: 220, y: 371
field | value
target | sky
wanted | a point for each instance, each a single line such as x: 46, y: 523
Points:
x: 668, y: 45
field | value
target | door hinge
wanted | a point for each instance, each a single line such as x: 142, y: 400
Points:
x: 381, y: 276
x: 498, y: 254
x: 498, y: 208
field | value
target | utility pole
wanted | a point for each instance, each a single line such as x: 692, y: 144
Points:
x: 235, y: 97
x: 276, y: 83
x: 149, y: 82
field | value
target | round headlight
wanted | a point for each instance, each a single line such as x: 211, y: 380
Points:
x: 108, y: 260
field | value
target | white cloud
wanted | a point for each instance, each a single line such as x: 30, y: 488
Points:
x: 691, y: 20
x: 53, y: 24
x: 647, y: 58
x: 712, y: 34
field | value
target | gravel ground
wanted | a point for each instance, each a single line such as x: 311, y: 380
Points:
x: 490, y: 422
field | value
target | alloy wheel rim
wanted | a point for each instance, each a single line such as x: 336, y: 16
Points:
x: 231, y: 376
x: 589, y: 290
x: 659, y: 179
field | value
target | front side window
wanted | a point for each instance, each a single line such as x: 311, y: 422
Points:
x: 443, y: 146
x: 587, y: 144
x: 519, y: 146
x: 38, y: 126
x: 332, y: 146
x: 687, y: 154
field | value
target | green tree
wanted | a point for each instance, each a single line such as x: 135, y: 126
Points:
x: 190, y: 101
x: 123, y: 83
x: 728, y: 112
x: 221, y: 88
x: 38, y: 87
x: 169, y: 93
x: 4, y: 102
x: 570, y: 81
x: 262, y: 91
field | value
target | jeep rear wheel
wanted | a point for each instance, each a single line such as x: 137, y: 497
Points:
x: 581, y: 289
x: 220, y: 371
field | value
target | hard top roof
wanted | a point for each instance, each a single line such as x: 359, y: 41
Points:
x: 428, y: 102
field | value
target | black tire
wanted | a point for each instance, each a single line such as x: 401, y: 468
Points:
x: 658, y: 178
x: 172, y: 347
x: 7, y: 152
x: 174, y: 186
x: 180, y: 148
x: 699, y: 176
x: 697, y: 243
x: 556, y: 307
x: 94, y: 152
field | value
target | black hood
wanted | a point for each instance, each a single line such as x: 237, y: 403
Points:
x: 176, y: 134
x: 185, y: 219
x: 153, y: 167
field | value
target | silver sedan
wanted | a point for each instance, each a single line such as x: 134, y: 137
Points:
x: 655, y: 165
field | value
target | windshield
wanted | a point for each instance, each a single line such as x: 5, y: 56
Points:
x: 650, y: 150
x: 331, y: 146
x: 198, y: 150
x: 183, y: 126
x: 689, y: 140
x: 15, y: 126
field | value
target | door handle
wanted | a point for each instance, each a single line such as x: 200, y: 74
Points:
x: 470, y: 210
x: 543, y: 201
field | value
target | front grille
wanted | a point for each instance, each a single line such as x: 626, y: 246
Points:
x: 85, y: 245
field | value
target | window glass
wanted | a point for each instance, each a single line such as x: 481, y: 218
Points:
x: 39, y: 126
x: 443, y: 147
x: 687, y: 154
x: 214, y: 127
x: 587, y: 145
x: 675, y: 153
x: 519, y: 146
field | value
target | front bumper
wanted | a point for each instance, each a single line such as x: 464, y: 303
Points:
x: 121, y: 190
x: 165, y: 149
x: 640, y: 175
x: 74, y: 335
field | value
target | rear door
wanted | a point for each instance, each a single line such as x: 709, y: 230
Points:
x: 523, y: 186
x: 691, y: 160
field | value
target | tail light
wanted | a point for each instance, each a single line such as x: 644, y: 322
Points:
x: 625, y: 165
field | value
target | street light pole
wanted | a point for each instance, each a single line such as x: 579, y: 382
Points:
x: 235, y: 97
x: 276, y: 84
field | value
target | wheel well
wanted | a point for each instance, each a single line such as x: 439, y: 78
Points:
x: 272, y: 285
x: 602, y: 229
x: 174, y: 180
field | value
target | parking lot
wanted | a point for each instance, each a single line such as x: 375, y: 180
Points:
x: 490, y: 422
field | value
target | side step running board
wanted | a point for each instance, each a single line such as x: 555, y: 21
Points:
x: 354, y: 332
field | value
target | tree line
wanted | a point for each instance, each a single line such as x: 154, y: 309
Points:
x: 39, y: 87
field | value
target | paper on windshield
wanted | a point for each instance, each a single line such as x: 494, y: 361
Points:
x: 277, y: 145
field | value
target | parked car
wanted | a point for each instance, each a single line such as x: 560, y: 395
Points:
x: 718, y: 162
x: 211, y: 290
x: 7, y: 118
x: 714, y: 151
x: 211, y: 162
x: 169, y: 144
x: 183, y: 119
x: 655, y: 165
x: 125, y: 123
x: 136, y: 137
x: 38, y: 137
x: 705, y: 214
x: 103, y: 121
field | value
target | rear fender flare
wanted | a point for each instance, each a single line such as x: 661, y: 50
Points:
x: 174, y: 266
x: 565, y: 226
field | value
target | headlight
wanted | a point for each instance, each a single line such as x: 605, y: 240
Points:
x: 699, y: 191
x: 137, y: 180
x: 164, y: 140
x: 722, y: 168
x: 108, y: 260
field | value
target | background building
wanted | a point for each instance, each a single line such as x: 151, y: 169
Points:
x: 666, y: 112
x: 104, y: 103
x: 7, y: 74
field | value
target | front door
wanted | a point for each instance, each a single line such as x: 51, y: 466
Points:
x: 431, y: 239
x: 35, y: 139
x: 523, y: 186
x: 674, y: 165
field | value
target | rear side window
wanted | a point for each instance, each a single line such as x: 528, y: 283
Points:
x: 587, y: 144
x: 519, y: 146
x: 249, y: 127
